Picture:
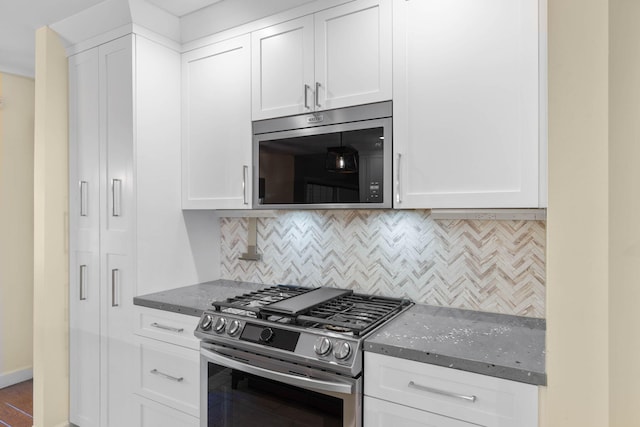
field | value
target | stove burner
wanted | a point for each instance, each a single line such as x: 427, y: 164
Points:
x: 334, y: 328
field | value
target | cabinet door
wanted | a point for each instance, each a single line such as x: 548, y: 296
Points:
x: 216, y: 150
x: 353, y: 54
x: 152, y: 414
x: 118, y: 368
x: 117, y: 229
x: 84, y: 239
x: 169, y: 374
x: 466, y: 109
x: 380, y: 413
x: 466, y: 396
x: 116, y: 136
x: 282, y: 69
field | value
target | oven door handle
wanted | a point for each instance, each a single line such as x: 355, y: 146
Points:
x: 295, y: 380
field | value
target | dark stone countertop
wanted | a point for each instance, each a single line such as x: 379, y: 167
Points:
x: 503, y: 346
x: 497, y: 345
x: 195, y: 299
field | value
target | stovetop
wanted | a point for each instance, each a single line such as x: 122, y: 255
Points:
x: 333, y: 309
x: 322, y: 326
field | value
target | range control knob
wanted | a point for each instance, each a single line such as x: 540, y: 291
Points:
x: 221, y: 323
x: 206, y: 322
x: 323, y: 346
x: 266, y: 335
x: 234, y: 328
x: 342, y: 351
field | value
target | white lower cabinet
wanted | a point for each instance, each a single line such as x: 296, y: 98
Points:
x: 169, y: 374
x: 152, y: 414
x: 380, y: 413
x: 168, y: 366
x: 405, y: 393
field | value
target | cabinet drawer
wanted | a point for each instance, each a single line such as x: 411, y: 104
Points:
x: 153, y: 414
x: 167, y: 326
x: 169, y: 374
x: 380, y: 413
x: 479, y: 399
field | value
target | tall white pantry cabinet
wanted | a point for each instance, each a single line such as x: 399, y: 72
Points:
x: 128, y: 234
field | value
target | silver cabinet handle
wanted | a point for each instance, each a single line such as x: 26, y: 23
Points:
x: 116, y: 194
x: 167, y: 328
x: 442, y: 392
x: 84, y: 193
x: 306, y: 97
x: 167, y: 376
x: 245, y: 180
x: 318, y: 94
x: 398, y: 198
x: 83, y: 282
x: 304, y: 382
x: 115, y: 287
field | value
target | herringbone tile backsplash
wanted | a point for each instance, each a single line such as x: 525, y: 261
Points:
x: 495, y: 266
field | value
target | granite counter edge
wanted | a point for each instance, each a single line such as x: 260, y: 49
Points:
x: 504, y: 372
x: 174, y: 308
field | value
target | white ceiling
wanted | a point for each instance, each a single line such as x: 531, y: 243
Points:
x: 182, y: 7
x: 19, y: 19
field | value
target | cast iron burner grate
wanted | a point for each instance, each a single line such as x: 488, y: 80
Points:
x: 356, y: 313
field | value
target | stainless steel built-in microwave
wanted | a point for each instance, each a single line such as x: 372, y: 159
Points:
x: 331, y: 159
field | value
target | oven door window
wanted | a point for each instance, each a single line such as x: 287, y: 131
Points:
x: 238, y: 399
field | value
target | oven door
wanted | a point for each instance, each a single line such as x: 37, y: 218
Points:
x: 240, y: 389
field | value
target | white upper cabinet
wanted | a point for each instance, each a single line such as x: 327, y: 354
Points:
x: 467, y: 86
x: 216, y: 126
x: 335, y: 58
x: 353, y: 54
x: 282, y: 69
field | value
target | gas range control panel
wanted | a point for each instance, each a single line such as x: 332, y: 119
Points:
x: 327, y: 347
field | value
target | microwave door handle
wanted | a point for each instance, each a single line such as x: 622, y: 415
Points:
x: 304, y: 382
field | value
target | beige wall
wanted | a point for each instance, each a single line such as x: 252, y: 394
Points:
x: 593, y: 246
x: 624, y: 217
x: 577, y: 218
x: 16, y: 228
x: 50, y: 363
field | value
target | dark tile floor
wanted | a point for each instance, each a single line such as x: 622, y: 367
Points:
x: 16, y: 405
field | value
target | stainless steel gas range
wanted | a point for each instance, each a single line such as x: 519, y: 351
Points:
x: 288, y: 356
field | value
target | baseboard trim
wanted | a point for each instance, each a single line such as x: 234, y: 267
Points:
x: 15, y: 377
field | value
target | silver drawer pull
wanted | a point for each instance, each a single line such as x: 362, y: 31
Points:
x: 318, y: 95
x: 84, y: 195
x: 167, y: 376
x: 442, y: 392
x: 83, y: 282
x: 245, y: 184
x: 306, y: 98
x: 115, y: 287
x: 116, y: 197
x: 167, y: 328
x: 398, y: 197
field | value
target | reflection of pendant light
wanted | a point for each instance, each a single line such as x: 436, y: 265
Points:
x: 342, y: 159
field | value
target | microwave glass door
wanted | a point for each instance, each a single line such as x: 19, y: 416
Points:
x: 331, y: 165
